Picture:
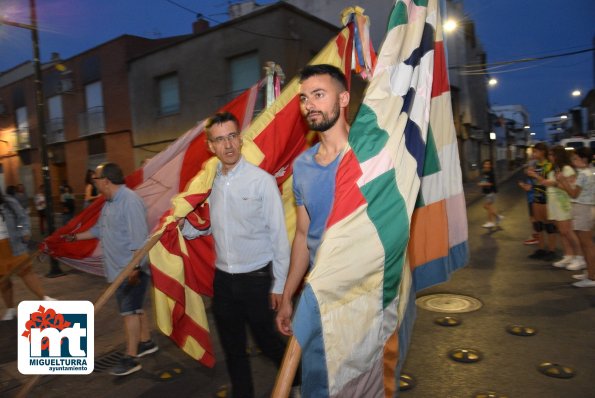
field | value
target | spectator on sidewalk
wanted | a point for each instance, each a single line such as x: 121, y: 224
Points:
x: 68, y: 204
x: 583, y: 204
x: 527, y: 186
x: 559, y: 208
x: 543, y: 225
x: 248, y: 226
x: 489, y: 189
x: 122, y: 229
x: 15, y: 232
x: 22, y: 198
x: 40, y: 207
x: 90, y: 189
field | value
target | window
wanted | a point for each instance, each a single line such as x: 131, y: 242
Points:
x: 22, y: 131
x: 55, y: 128
x: 169, y: 94
x: 244, y: 70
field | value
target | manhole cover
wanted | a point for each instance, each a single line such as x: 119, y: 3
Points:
x: 465, y: 355
x: 519, y: 330
x: 406, y: 382
x: 556, y: 370
x: 108, y: 361
x: 447, y: 321
x: 449, y: 303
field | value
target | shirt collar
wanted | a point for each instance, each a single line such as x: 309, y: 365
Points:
x: 239, y: 166
x: 117, y: 195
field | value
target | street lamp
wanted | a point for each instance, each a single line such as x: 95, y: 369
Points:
x: 39, y: 105
x: 576, y: 93
x: 492, y: 82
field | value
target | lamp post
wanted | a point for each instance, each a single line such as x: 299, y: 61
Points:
x: 39, y: 106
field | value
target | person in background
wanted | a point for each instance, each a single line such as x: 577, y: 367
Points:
x: 559, y: 208
x: 90, y: 190
x: 543, y: 225
x: 122, y: 229
x: 527, y: 186
x: 489, y: 189
x: 40, y: 207
x: 68, y: 204
x: 21, y: 196
x: 583, y: 205
x: 15, y: 232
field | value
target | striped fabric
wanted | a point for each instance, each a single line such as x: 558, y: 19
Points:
x: 398, y: 222
x: 272, y: 142
x: 157, y: 182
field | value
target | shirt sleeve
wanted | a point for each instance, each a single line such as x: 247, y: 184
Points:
x: 275, y: 220
x: 136, y: 220
x: 190, y: 232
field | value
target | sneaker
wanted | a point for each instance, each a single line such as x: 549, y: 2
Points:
x: 564, y: 262
x: 126, y: 366
x: 530, y: 241
x: 550, y: 256
x: 489, y: 224
x: 580, y: 277
x: 499, y: 218
x: 10, y: 314
x: 539, y: 253
x: 577, y: 264
x: 48, y: 298
x: 146, y: 348
x: 584, y: 283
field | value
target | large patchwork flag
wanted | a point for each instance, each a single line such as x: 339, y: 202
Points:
x: 271, y: 142
x: 398, y: 207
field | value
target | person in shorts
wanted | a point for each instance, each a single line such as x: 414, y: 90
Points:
x: 582, y: 193
x: 489, y: 189
x: 122, y: 229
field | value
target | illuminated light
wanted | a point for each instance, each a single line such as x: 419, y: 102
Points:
x: 492, y: 82
x: 563, y: 117
x: 576, y: 93
x: 492, y: 135
x: 569, y: 148
x: 527, y: 127
x: 450, y: 25
x: 531, y: 133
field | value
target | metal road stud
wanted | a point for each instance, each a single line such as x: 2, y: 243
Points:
x: 448, y: 321
x: 520, y: 330
x: 556, y: 370
x: 406, y: 382
x: 465, y: 355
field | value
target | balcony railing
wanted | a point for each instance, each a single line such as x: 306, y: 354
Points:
x: 55, y: 131
x: 23, y: 140
x: 92, y: 122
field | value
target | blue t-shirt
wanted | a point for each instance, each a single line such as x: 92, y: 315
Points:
x: 314, y: 188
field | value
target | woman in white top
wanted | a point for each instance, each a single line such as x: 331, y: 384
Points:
x: 583, y: 205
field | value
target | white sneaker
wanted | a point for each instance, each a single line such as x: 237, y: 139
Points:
x: 566, y: 260
x: 499, y: 218
x: 48, y: 298
x: 584, y: 283
x: 489, y: 224
x: 580, y: 277
x: 10, y: 314
x: 577, y: 264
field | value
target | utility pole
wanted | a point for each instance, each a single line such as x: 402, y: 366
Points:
x: 39, y: 105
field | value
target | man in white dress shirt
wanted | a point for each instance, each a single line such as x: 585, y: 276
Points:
x: 248, y: 226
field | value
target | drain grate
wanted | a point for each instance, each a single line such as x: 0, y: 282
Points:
x: 448, y: 303
x: 108, y: 361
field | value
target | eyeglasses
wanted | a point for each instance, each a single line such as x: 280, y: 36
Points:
x: 229, y: 137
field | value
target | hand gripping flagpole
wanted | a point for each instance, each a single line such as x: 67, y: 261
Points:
x: 105, y: 296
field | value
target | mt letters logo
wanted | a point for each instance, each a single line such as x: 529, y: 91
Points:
x: 56, y: 337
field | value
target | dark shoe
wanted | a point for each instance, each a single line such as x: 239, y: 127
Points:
x: 550, y: 256
x: 537, y: 254
x: 126, y: 366
x: 146, y: 348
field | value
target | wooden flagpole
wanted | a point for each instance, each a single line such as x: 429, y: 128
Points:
x: 291, y: 360
x: 105, y: 296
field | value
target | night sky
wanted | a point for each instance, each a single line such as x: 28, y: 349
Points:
x: 508, y: 29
